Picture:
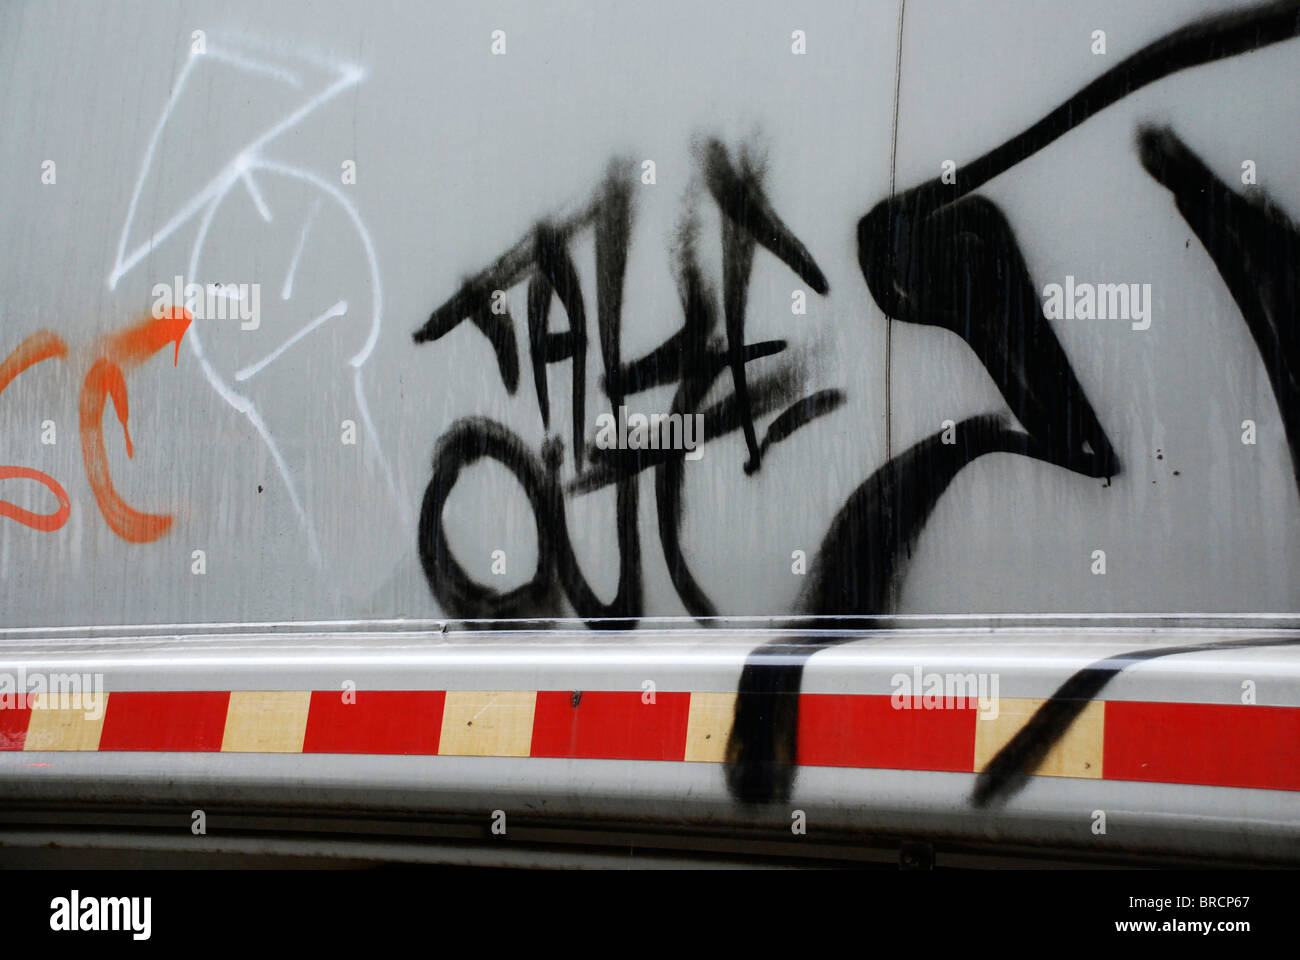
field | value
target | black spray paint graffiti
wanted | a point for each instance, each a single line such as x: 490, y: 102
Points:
x: 1008, y: 772
x: 937, y: 254
x: 1256, y: 248
x: 691, y: 358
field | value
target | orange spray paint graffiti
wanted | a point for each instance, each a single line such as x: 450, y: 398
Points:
x: 41, y: 345
x: 118, y: 353
x: 114, y: 356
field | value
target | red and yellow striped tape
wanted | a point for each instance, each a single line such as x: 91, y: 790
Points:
x: 1190, y: 743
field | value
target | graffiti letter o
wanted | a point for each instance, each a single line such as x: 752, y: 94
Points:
x: 467, y: 441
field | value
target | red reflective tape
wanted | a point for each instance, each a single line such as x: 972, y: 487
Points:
x: 847, y: 730
x: 379, y: 721
x: 193, y: 722
x: 1219, y: 745
x: 610, y: 726
x: 1202, y: 744
x: 15, y: 715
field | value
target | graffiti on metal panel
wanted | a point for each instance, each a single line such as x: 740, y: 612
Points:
x: 937, y: 254
x: 252, y: 169
x: 691, y: 359
x: 110, y: 359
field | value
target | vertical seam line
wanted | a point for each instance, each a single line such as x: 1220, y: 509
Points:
x: 889, y: 323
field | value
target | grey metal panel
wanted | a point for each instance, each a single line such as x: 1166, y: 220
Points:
x: 212, y: 141
x: 1195, y: 519
x: 460, y: 152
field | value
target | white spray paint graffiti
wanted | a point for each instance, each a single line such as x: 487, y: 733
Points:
x: 244, y: 168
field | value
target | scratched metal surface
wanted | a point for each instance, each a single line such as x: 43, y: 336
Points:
x: 458, y: 154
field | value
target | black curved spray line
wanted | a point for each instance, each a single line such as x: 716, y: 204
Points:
x: 1256, y: 248
x: 800, y: 414
x: 935, y: 255
x: 962, y: 270
x: 1204, y: 41
x: 1009, y: 770
x: 855, y: 569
